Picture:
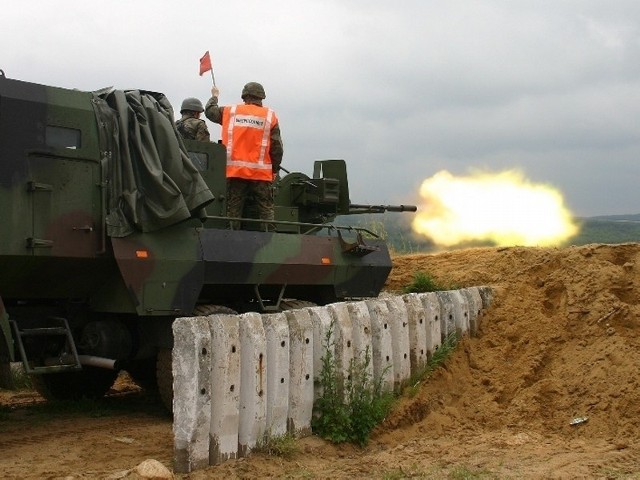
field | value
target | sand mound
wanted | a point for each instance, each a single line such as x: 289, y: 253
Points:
x: 561, y: 341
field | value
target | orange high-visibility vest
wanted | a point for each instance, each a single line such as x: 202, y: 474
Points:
x: 246, y: 132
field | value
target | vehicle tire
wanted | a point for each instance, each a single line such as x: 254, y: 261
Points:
x: 293, y: 304
x: 164, y: 377
x: 207, y: 309
x: 90, y: 382
x: 6, y: 376
x: 143, y: 372
x: 164, y: 372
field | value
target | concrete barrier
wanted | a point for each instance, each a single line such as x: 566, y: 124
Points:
x: 343, y: 334
x: 361, y: 334
x: 276, y: 330
x: 253, y: 384
x: 487, y: 296
x: 301, y: 389
x: 417, y: 332
x: 431, y: 306
x: 323, y: 339
x: 399, y: 324
x: 239, y: 379
x: 381, y: 343
x: 225, y: 388
x: 460, y: 312
x: 192, y: 384
x: 474, y: 302
x: 447, y: 320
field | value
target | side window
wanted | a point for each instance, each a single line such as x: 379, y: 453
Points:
x: 200, y: 160
x: 62, y: 137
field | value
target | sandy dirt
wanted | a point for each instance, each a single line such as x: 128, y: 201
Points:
x: 561, y: 341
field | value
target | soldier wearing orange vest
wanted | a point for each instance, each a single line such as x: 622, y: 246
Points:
x: 251, y: 134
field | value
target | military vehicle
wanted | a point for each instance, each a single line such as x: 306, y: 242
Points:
x: 112, y: 226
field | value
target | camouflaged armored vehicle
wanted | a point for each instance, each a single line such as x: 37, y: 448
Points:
x: 112, y: 226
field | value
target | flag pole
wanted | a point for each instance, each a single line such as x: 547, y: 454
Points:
x: 205, y: 64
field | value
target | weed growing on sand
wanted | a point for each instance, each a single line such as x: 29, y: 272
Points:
x: 438, y: 358
x: 348, y: 408
x: 284, y: 446
x: 425, y: 282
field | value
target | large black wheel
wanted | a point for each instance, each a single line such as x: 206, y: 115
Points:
x: 143, y: 372
x: 207, y: 309
x: 164, y: 372
x: 293, y: 304
x: 164, y: 377
x: 90, y: 382
x: 6, y: 376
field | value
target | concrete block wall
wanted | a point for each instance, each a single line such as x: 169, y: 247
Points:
x: 301, y: 390
x: 252, y: 426
x: 381, y: 342
x: 192, y: 384
x: 225, y: 388
x: 239, y: 379
x: 399, y: 325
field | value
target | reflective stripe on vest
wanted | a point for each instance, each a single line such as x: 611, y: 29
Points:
x: 255, y: 130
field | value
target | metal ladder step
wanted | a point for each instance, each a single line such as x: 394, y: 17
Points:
x: 35, y: 332
x: 63, y: 330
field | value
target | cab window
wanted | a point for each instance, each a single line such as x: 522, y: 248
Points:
x: 200, y: 160
x: 62, y: 137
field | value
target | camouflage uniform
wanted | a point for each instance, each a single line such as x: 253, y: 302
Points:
x: 192, y: 128
x: 238, y: 188
x: 237, y: 191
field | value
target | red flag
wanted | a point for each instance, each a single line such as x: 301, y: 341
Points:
x: 205, y: 63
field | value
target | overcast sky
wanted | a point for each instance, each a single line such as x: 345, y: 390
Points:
x: 400, y: 90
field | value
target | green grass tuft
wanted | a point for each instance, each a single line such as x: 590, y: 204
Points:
x: 425, y: 282
x: 440, y: 356
x: 284, y: 446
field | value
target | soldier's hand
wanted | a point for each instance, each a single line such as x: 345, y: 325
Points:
x: 215, y: 92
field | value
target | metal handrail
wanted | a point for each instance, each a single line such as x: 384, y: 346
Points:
x: 314, y: 226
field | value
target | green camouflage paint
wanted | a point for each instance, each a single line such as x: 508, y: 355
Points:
x: 65, y: 184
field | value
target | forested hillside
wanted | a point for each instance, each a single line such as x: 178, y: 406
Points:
x: 396, y: 229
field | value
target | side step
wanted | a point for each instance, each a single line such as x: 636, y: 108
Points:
x: 71, y: 361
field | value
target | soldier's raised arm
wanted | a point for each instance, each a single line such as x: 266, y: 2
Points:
x: 212, y: 111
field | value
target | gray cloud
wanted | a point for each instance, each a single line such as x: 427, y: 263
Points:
x: 400, y: 90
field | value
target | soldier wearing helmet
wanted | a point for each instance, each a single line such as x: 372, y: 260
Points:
x: 251, y: 134
x: 190, y: 126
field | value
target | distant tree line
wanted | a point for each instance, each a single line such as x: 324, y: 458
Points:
x: 613, y: 229
x: 396, y: 230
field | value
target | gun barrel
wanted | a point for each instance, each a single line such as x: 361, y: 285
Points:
x: 358, y: 208
x: 401, y: 208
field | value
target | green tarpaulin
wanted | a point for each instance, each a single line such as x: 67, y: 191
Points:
x: 151, y: 181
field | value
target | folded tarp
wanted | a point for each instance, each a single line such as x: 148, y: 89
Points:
x: 152, y: 183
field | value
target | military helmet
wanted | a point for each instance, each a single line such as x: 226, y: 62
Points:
x: 192, y: 104
x: 253, y: 89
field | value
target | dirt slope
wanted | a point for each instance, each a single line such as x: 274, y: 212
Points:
x: 560, y: 341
